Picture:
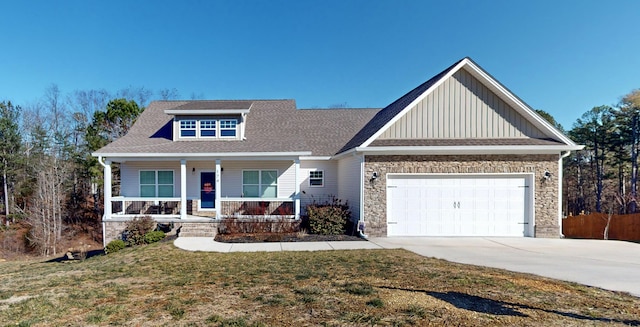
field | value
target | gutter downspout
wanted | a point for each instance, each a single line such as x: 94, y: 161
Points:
x: 360, y: 224
x: 562, y: 156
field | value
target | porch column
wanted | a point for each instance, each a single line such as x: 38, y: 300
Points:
x: 107, y: 189
x: 183, y: 189
x: 297, y: 192
x: 218, y: 190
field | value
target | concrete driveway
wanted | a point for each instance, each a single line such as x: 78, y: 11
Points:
x: 612, y: 265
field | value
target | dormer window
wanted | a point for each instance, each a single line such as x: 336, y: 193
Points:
x: 188, y: 128
x: 208, y: 128
x: 228, y: 127
x: 210, y: 120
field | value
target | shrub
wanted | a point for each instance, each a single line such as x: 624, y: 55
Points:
x: 153, y: 236
x: 258, y: 225
x: 115, y: 246
x: 329, y: 218
x: 137, y: 228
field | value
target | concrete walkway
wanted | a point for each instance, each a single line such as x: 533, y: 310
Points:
x: 207, y: 244
x: 612, y: 265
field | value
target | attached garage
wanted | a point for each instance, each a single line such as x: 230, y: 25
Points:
x: 459, y: 205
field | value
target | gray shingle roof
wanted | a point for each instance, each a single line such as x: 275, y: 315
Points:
x: 271, y: 126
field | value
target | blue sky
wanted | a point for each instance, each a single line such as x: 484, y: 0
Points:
x: 564, y: 57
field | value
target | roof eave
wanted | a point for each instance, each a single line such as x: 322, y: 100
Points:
x: 206, y: 111
x: 204, y: 155
x: 467, y: 150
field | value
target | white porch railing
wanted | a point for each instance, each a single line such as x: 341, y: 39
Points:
x: 229, y: 207
x: 137, y: 206
x: 252, y: 207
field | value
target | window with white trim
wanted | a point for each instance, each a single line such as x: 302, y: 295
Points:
x: 316, y: 178
x: 156, y: 183
x: 228, y: 127
x: 188, y: 128
x: 260, y: 183
x: 208, y: 128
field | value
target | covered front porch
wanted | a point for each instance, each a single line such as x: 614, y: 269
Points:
x: 187, y: 189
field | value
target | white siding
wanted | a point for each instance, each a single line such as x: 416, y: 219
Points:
x: 350, y: 183
x: 231, y: 181
x: 130, y: 175
x: 318, y: 194
x: 462, y: 107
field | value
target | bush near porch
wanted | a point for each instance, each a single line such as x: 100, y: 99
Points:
x: 331, y: 218
x: 258, y: 225
x: 592, y: 226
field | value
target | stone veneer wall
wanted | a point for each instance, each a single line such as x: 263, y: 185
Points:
x: 113, y: 230
x: 546, y: 191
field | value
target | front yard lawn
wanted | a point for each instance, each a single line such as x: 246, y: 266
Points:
x: 160, y: 285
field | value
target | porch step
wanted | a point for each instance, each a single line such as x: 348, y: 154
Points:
x: 198, y: 230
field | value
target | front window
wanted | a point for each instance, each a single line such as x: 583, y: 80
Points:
x: 260, y: 183
x: 156, y: 183
x: 316, y: 178
x: 187, y: 128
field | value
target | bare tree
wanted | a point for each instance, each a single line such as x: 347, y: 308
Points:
x: 50, y: 163
x: 613, y: 202
x: 196, y: 96
x: 139, y: 94
x: 169, y: 94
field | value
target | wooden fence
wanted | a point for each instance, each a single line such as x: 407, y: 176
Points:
x: 622, y: 227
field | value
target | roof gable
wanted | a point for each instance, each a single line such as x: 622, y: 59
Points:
x: 461, y: 107
x: 530, y: 123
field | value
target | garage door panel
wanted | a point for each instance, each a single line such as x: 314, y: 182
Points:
x: 457, y: 205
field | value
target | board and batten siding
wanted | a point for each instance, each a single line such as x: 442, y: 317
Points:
x: 130, y: 175
x: 310, y: 194
x: 350, y: 184
x: 462, y: 107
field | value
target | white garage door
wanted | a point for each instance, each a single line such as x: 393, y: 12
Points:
x: 458, y: 205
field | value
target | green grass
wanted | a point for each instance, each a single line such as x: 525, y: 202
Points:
x: 159, y: 285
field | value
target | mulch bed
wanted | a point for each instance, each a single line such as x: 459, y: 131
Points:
x: 280, y: 237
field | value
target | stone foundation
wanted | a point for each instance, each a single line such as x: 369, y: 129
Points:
x: 545, y: 197
x: 113, y: 229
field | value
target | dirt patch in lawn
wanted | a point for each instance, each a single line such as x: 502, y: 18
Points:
x: 282, y: 237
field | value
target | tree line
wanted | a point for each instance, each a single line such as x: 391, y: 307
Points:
x: 603, y: 177
x: 50, y: 182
